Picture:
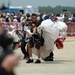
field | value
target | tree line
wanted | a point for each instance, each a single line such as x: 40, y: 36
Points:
x: 57, y: 9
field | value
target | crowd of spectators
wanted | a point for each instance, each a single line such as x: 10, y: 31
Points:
x: 19, y: 17
x: 22, y: 18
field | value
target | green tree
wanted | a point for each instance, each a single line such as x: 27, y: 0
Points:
x: 55, y: 10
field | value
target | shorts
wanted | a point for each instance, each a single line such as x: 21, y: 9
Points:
x: 34, y: 43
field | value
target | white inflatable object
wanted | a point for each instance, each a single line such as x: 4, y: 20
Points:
x: 50, y: 34
x: 62, y: 29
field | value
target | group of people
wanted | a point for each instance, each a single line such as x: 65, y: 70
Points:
x: 29, y: 35
x: 19, y: 17
x: 37, y: 34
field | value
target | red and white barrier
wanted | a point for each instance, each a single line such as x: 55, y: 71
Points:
x: 71, y: 28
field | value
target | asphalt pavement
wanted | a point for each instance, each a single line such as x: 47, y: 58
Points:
x: 63, y: 64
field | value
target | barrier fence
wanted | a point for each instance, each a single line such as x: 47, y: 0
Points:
x: 17, y: 25
x: 70, y: 31
x: 71, y: 28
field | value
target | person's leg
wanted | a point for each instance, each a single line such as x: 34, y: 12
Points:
x: 37, y: 46
x: 27, y: 54
x: 14, y: 45
x: 30, y: 45
x: 30, y: 60
x: 30, y: 51
x: 23, y: 44
x: 38, y: 53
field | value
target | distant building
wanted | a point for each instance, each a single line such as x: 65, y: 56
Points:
x: 28, y: 9
x: 14, y: 9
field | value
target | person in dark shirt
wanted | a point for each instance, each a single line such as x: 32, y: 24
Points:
x: 24, y: 40
x: 34, y: 40
x: 37, y: 44
x: 34, y: 22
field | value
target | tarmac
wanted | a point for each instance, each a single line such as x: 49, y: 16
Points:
x: 63, y: 64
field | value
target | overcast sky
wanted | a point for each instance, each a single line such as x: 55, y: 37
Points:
x: 36, y: 3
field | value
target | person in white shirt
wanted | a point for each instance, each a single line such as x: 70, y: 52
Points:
x: 12, y: 32
x: 60, y: 17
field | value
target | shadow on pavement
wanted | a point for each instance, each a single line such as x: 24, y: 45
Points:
x: 57, y: 62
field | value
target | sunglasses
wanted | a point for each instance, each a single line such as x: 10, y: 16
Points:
x: 33, y: 18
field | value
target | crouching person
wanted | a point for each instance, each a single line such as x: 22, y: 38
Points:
x: 35, y: 41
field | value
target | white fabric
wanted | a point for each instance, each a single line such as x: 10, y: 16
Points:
x: 15, y: 20
x: 11, y: 26
x: 25, y: 28
x: 61, y: 18
x: 14, y: 35
x: 21, y: 18
x: 19, y: 27
x: 10, y: 33
x: 62, y: 29
x: 50, y: 34
x: 28, y: 32
x: 8, y: 14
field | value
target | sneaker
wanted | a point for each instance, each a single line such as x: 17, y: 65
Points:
x: 48, y: 59
x: 37, y: 61
x: 29, y: 61
x: 51, y: 54
x: 51, y: 59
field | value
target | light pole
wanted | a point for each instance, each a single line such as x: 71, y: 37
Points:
x: 9, y: 4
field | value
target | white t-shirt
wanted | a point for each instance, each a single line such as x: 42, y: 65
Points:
x: 14, y: 35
